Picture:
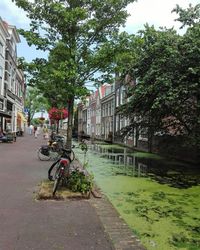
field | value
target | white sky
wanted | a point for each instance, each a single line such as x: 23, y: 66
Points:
x: 154, y: 12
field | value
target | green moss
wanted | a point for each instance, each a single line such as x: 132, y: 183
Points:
x: 157, y: 213
x: 147, y: 155
x: 112, y: 146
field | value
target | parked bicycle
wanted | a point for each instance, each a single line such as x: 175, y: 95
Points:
x: 61, y: 169
x: 52, y: 151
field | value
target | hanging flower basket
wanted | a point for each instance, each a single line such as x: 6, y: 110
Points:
x: 58, y: 114
x: 41, y: 118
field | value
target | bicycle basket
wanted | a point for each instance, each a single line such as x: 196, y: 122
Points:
x: 45, y: 150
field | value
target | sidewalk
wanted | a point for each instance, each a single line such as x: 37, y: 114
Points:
x: 51, y: 225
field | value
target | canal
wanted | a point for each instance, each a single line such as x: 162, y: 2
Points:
x: 157, y: 197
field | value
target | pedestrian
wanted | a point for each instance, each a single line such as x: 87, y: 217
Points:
x: 38, y: 130
x: 30, y: 129
x: 35, y: 132
x: 45, y: 133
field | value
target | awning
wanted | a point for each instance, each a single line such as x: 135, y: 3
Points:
x: 21, y: 115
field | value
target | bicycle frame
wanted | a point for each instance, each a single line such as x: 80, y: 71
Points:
x: 62, y: 168
x: 63, y: 164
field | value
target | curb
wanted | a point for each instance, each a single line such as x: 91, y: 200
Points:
x: 118, y: 231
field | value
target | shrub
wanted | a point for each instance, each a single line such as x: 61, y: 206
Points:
x: 80, y: 182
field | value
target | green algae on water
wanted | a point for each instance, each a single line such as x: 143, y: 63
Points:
x: 163, y: 217
x: 147, y: 155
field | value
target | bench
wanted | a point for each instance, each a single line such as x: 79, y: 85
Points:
x: 9, y: 137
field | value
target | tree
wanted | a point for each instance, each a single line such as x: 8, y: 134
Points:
x: 166, y: 96
x: 188, y: 17
x: 189, y: 79
x: 34, y: 102
x: 78, y: 29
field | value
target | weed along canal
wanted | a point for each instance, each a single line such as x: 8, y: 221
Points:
x: 158, y: 198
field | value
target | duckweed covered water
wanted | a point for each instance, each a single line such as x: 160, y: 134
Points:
x: 163, y: 216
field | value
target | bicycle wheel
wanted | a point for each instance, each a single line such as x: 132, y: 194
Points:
x: 54, y: 155
x: 72, y: 155
x: 57, y: 178
x: 55, y: 185
x: 41, y: 156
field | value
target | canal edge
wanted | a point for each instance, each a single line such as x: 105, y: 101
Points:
x: 115, y: 227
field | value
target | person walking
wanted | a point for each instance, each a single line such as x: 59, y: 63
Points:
x: 45, y: 133
x: 35, y: 132
x: 30, y: 129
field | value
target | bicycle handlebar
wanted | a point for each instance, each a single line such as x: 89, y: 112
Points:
x: 68, y: 152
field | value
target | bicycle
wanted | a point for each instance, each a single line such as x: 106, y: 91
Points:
x: 62, y: 168
x: 50, y: 151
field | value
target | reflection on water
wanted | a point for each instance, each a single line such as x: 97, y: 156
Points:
x: 128, y: 162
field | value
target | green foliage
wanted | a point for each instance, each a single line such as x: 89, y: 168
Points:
x: 35, y: 121
x: 83, y: 146
x: 181, y: 240
x: 35, y: 101
x: 166, y: 98
x: 158, y: 196
x: 79, y: 182
x: 75, y: 33
x: 190, y: 16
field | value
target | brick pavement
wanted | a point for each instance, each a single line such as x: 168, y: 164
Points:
x: 117, y: 230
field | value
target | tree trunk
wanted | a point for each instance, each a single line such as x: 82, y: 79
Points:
x: 150, y: 140
x: 70, y: 123
x: 29, y: 118
x: 150, y: 135
x: 57, y: 126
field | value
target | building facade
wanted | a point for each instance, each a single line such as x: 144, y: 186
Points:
x: 99, y: 117
x: 107, y: 113
x: 12, y: 81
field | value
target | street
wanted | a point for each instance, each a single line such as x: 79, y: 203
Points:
x: 26, y: 223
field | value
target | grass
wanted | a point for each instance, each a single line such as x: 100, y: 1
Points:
x: 44, y: 192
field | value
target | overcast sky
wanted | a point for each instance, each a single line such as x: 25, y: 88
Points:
x: 154, y: 12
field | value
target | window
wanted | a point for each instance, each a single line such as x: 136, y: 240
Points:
x: 88, y: 113
x: 1, y: 48
x: 106, y: 113
x: 112, y: 107
x: 121, y: 123
x: 109, y: 109
x: 13, y: 85
x: 123, y: 95
x: 111, y: 126
x: 1, y: 72
x: 143, y: 134
x: 127, y: 121
x: 6, y: 76
x: 103, y: 110
x: 117, y: 98
x: 117, y: 123
x: 102, y: 128
x: 1, y: 104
